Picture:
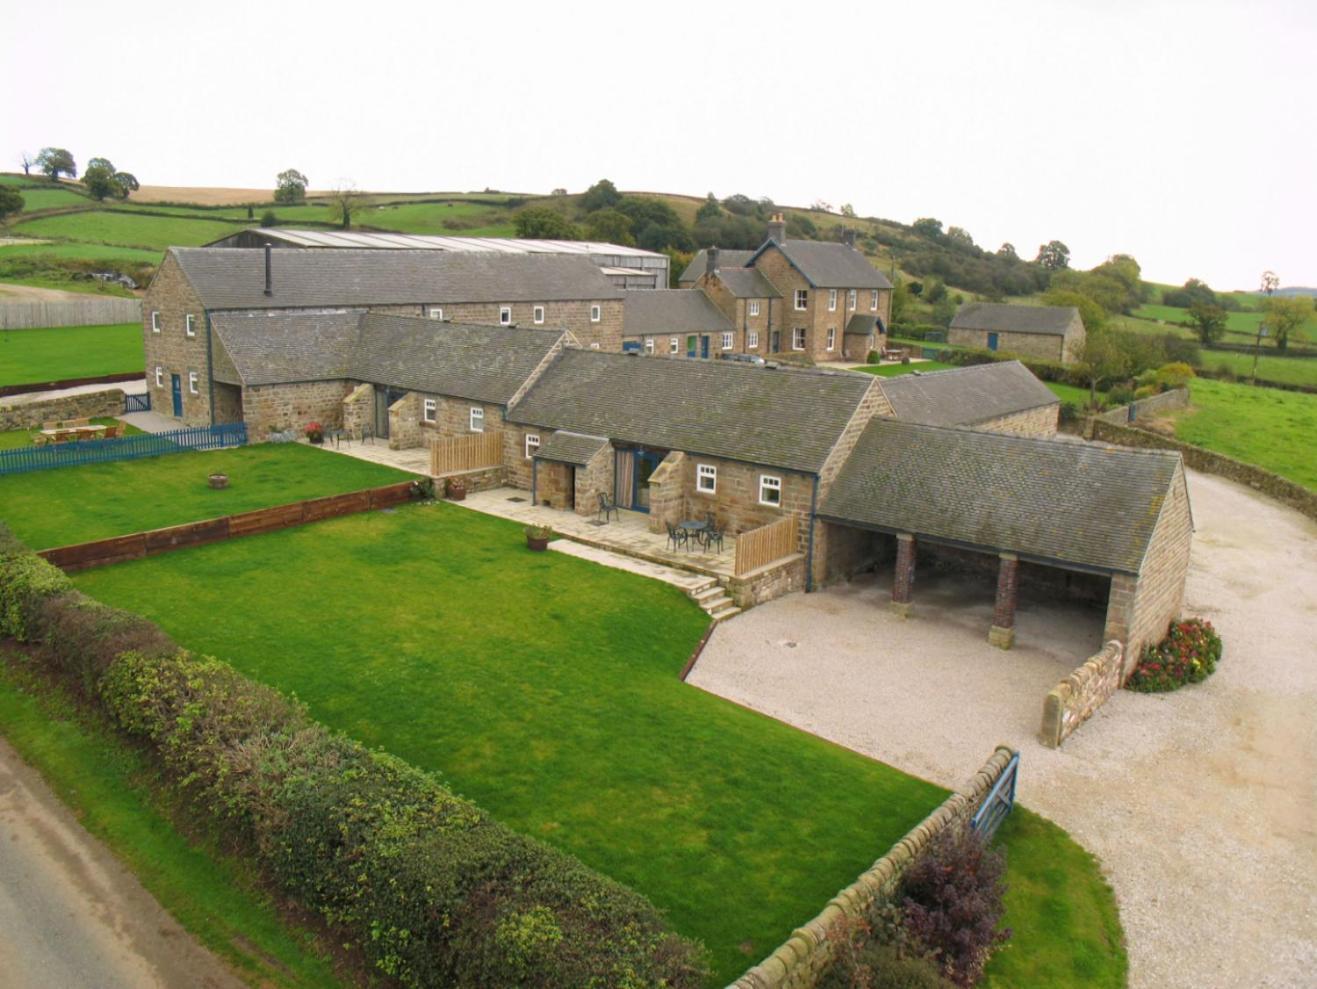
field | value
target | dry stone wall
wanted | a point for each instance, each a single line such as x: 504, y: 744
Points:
x: 30, y: 415
x: 1072, y: 701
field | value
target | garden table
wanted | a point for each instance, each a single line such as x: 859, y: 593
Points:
x: 695, y: 529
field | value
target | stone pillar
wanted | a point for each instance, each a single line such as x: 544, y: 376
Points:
x: 904, y: 578
x: 1002, y: 633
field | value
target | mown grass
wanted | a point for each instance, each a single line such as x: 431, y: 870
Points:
x: 16, y: 439
x: 464, y: 219
x: 545, y: 688
x: 69, y: 250
x: 1066, y: 393
x: 127, y: 229
x: 63, y: 352
x: 78, y: 504
x: 111, y: 790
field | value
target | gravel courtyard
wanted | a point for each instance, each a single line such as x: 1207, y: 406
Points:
x: 1200, y: 804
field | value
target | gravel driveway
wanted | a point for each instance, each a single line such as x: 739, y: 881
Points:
x: 1200, y: 804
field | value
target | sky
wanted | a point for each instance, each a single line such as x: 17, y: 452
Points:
x: 1183, y: 133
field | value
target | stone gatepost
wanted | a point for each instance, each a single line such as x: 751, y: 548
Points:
x: 1002, y: 633
x: 904, y: 579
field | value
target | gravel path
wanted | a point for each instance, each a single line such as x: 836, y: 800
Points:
x: 1200, y: 804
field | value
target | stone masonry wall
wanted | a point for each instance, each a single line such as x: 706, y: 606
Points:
x: 453, y: 416
x: 271, y: 408
x: 594, y: 479
x: 1174, y: 398
x: 802, y: 960
x: 359, y: 410
x: 171, y: 350
x: 1072, y: 701
x: 31, y: 415
x: 735, y: 500
x: 1042, y: 346
x: 667, y: 492
x: 573, y: 316
x: 1159, y: 592
x: 1041, y: 421
x: 405, y: 422
x: 767, y: 583
x: 228, y: 403
x: 514, y: 453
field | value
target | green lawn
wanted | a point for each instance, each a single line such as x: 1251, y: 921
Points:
x: 15, y: 439
x: 1265, y: 426
x: 1066, y: 393
x: 127, y: 229
x: 1288, y: 370
x: 77, y: 504
x: 545, y: 688
x: 107, y: 785
x: 81, y: 252
x: 58, y: 353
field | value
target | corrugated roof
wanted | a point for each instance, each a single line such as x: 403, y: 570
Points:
x: 382, y: 240
x: 275, y: 348
x: 1002, y: 317
x: 677, y: 310
x: 570, y: 448
x: 1077, y: 503
x: 781, y: 418
x: 726, y: 259
x: 234, y: 278
x: 828, y: 265
x: 747, y: 283
x: 965, y: 396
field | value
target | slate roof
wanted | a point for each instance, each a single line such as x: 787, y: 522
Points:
x: 570, y: 448
x: 1050, y: 500
x: 726, y: 259
x: 861, y: 325
x: 780, y: 418
x: 276, y: 348
x: 826, y: 264
x: 1002, y: 317
x: 965, y: 396
x: 747, y: 283
x: 234, y: 278
x: 676, y: 310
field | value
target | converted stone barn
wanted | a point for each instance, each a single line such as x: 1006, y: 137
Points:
x: 677, y: 323
x: 1049, y: 333
x: 1004, y: 397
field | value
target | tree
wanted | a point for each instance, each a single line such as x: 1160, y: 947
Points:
x: 1270, y: 282
x: 848, y: 211
x: 960, y: 236
x: 1053, y: 256
x: 1007, y: 251
x: 609, y: 225
x: 1123, y: 269
x: 125, y: 184
x: 935, y: 291
x: 543, y: 223
x: 11, y: 203
x: 900, y: 300
x: 290, y: 186
x: 1092, y: 315
x: 55, y: 162
x: 1101, y: 360
x: 928, y: 227
x: 709, y: 210
x: 560, y: 191
x: 1194, y: 291
x: 343, y: 202
x: 28, y: 161
x: 822, y: 205
x: 602, y: 195
x: 102, y: 179
x: 1285, y: 314
x: 1210, y: 321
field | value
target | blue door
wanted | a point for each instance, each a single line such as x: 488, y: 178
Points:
x: 992, y: 341
x: 176, y: 383
x: 704, y: 347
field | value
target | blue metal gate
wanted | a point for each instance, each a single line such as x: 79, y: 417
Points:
x: 998, y: 803
x: 137, y: 403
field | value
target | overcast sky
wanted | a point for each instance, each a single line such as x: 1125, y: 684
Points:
x: 1181, y: 133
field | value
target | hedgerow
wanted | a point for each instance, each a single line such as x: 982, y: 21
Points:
x: 427, y: 886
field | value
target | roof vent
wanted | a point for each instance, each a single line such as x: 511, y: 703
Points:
x: 269, y: 275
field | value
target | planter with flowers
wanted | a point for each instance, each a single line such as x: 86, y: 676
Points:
x: 455, y: 489
x: 538, y: 536
x: 1188, y: 654
x: 315, y: 433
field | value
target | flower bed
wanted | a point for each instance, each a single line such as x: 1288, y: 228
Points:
x: 1188, y: 654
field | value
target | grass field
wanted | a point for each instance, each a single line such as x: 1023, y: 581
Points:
x: 35, y: 198
x: 16, y: 439
x: 106, y: 784
x: 546, y: 688
x: 127, y: 229
x: 1066, y: 393
x: 81, y: 252
x: 468, y: 219
x: 1288, y: 370
x: 52, y: 507
x: 56, y: 354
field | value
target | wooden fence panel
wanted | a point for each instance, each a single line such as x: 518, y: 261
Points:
x: 92, y: 311
x: 451, y: 454
x: 760, y: 547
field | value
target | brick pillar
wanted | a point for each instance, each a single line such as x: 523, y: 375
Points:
x: 1002, y: 633
x: 904, y: 578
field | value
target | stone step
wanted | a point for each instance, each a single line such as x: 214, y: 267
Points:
x: 713, y: 604
x: 725, y: 612
x: 705, y: 594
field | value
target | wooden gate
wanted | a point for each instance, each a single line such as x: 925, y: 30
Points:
x: 998, y: 803
x: 451, y: 454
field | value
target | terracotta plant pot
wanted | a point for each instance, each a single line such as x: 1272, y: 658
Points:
x: 538, y: 545
x: 316, y: 439
x: 456, y: 492
x: 219, y: 481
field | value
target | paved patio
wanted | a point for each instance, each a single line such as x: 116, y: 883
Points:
x: 415, y: 460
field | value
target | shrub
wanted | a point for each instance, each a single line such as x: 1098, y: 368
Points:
x: 1069, y: 412
x: 1145, y: 391
x: 1121, y: 395
x: 1188, y: 654
x: 268, y: 219
x: 25, y: 580
x: 82, y: 636
x: 952, y: 901
x: 877, y: 953
x: 874, y: 357
x: 1175, y: 375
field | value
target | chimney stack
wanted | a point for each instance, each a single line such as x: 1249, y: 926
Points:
x: 777, y: 229
x: 848, y: 237
x: 269, y: 275
x: 711, y: 264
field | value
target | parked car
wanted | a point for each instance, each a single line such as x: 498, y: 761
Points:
x: 744, y: 358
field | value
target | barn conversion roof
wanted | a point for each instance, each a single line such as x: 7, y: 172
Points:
x: 782, y: 418
x: 566, y: 447
x: 826, y: 264
x: 1002, y: 317
x: 278, y: 347
x: 965, y: 396
x: 726, y: 259
x: 226, y: 278
x: 678, y: 310
x: 1092, y: 507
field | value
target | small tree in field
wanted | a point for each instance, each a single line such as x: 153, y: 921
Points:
x: 343, y: 203
x: 1101, y: 360
x: 1208, y: 320
x: 11, y: 203
x: 290, y: 186
x: 1284, y: 315
x: 28, y: 161
x: 55, y: 162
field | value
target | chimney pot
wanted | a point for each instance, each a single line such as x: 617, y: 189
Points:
x: 269, y: 275
x: 711, y: 265
x: 777, y: 229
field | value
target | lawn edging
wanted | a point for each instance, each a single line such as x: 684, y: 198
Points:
x: 99, y: 379
x: 135, y: 546
x: 803, y: 958
x: 1288, y: 492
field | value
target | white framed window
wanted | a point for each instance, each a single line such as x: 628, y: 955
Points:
x: 429, y: 410
x: 798, y: 338
x: 190, y: 325
x: 504, y: 315
x: 850, y: 299
x: 596, y: 313
x: 706, y: 478
x: 752, y: 339
x: 436, y: 312
x: 477, y: 420
x: 594, y: 346
x: 673, y: 345
x: 873, y: 299
x: 832, y: 337
x: 159, y: 376
x: 832, y: 300
x: 754, y: 307
x: 649, y: 345
x: 770, y: 490
x: 532, y: 444
x: 537, y: 314
x: 727, y: 341
x: 192, y: 382
x: 155, y: 321
x: 802, y: 300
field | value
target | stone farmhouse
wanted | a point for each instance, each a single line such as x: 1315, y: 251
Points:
x: 680, y: 322
x: 1050, y: 333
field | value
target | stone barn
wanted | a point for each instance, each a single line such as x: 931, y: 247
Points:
x: 1049, y: 333
x: 1001, y: 398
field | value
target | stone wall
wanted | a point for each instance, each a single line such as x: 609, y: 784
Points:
x: 554, y: 486
x: 452, y: 416
x: 514, y: 453
x: 841, y: 552
x: 405, y: 422
x: 1040, y: 346
x: 802, y: 960
x: 574, y: 316
x: 273, y: 408
x: 1072, y: 701
x: 480, y: 479
x: 30, y: 415
x: 1041, y: 421
x: 594, y: 479
x: 228, y: 403
x: 768, y: 583
x: 1175, y: 398
x: 359, y: 410
x: 170, y: 350
x: 667, y: 492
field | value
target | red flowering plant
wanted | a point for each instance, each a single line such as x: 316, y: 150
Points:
x: 314, y: 432
x: 1188, y: 654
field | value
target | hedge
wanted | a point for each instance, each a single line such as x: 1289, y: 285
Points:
x: 426, y: 885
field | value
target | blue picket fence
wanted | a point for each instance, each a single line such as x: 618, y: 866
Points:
x: 137, y: 403
x: 52, y: 456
